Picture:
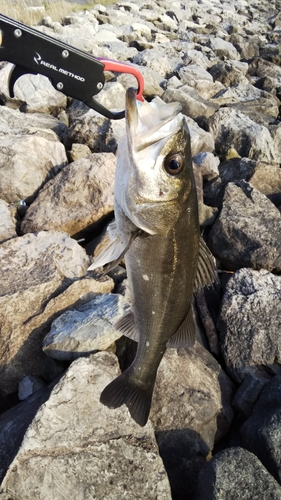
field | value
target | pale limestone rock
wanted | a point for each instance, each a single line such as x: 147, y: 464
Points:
x: 40, y: 277
x: 39, y: 94
x: 26, y: 162
x: 78, y: 197
x: 7, y: 222
x: 86, y: 328
x: 78, y: 448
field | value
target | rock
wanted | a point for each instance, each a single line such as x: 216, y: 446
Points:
x: 23, y: 175
x: 86, y: 329
x: 236, y: 474
x: 100, y: 456
x: 207, y: 163
x: 43, y: 270
x: 13, y: 425
x: 99, y: 133
x: 12, y: 120
x: 249, y: 323
x: 28, y: 386
x: 201, y: 383
x: 247, y: 230
x: 247, y: 395
x: 112, y: 96
x: 261, y: 432
x: 79, y: 197
x: 192, y: 73
x: 152, y: 81
x: 39, y: 94
x: 232, y: 128
x: 222, y: 48
x: 7, y: 222
x: 79, y: 151
x: 227, y: 74
x: 156, y: 61
x: 192, y: 103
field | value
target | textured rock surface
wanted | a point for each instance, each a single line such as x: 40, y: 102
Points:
x: 7, y: 222
x: 22, y: 175
x: 87, y: 328
x: 77, y: 448
x: 79, y: 196
x: 249, y: 322
x: 247, y: 230
x: 261, y: 433
x: 41, y: 276
x: 236, y: 474
x: 188, y: 381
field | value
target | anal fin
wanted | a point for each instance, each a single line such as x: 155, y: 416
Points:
x: 186, y: 333
x: 126, y: 326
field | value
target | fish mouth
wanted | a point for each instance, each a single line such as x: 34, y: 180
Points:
x: 148, y: 123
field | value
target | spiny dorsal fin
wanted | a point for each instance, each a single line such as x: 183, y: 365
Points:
x: 126, y: 326
x: 206, y: 267
x: 186, y: 333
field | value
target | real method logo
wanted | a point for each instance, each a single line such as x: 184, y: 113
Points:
x: 38, y: 59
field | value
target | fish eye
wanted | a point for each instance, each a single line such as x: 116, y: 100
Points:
x: 174, y: 164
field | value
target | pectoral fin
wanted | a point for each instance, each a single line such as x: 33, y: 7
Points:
x: 114, y: 252
x: 186, y: 333
x: 206, y: 267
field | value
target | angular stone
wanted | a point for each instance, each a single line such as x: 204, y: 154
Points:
x: 78, y: 448
x: 222, y: 48
x: 39, y: 94
x: 261, y: 433
x: 233, y: 129
x: 40, y: 277
x: 193, y: 392
x: 236, y: 474
x: 79, y: 197
x: 7, y: 222
x: 192, y: 103
x: 247, y: 230
x: 249, y: 323
x: 247, y: 395
x: 227, y: 74
x: 22, y: 175
x: 86, y: 329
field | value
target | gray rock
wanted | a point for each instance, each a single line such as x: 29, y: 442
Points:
x: 261, y: 433
x: 79, y: 197
x: 14, y: 424
x: 7, y: 222
x: 249, y: 323
x: 222, y: 48
x: 195, y: 379
x: 39, y: 94
x: 156, y: 61
x: 192, y: 103
x: 247, y: 395
x: 236, y: 474
x: 28, y: 386
x: 201, y: 141
x: 99, y: 133
x: 22, y: 175
x: 227, y: 74
x: 78, y: 448
x: 152, y: 81
x: 192, y: 73
x: 247, y: 230
x: 86, y: 329
x: 79, y: 151
x: 233, y: 129
x: 41, y: 275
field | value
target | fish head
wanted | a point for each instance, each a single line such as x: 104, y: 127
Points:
x: 154, y: 178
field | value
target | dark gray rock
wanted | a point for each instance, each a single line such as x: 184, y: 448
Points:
x: 261, y: 433
x: 236, y: 474
x: 247, y: 395
x: 249, y: 323
x: 247, y: 230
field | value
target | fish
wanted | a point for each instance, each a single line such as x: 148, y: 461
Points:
x: 156, y: 230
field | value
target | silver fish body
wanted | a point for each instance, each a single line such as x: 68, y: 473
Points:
x: 157, y: 229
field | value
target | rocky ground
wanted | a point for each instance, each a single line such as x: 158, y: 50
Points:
x: 215, y: 425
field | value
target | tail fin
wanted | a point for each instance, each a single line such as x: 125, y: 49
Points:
x: 124, y: 391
